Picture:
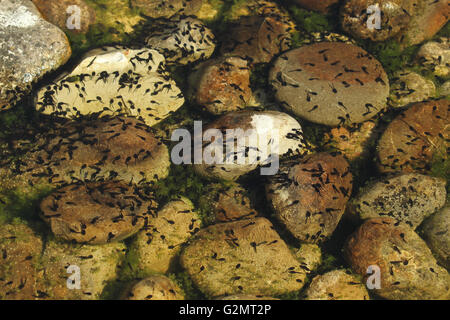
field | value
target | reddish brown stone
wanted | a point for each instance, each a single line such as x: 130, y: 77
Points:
x: 322, y: 6
x: 416, y: 137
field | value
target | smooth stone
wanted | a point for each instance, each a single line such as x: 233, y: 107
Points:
x: 436, y: 232
x: 26, y: 51
x: 242, y: 257
x: 310, y: 256
x: 156, y: 287
x: 416, y: 138
x: 264, y: 125
x: 224, y: 203
x: 181, y: 40
x: 167, y: 8
x: 408, y: 270
x: 257, y: 38
x: 98, y: 266
x: 409, y: 198
x: 337, y: 285
x: 354, y: 142
x: 410, y: 87
x: 309, y: 195
x: 221, y: 85
x: 156, y: 248
x: 330, y: 83
x: 435, y: 56
x: 97, y: 212
x: 429, y: 17
x: 114, y: 81
x: 95, y: 150
x: 20, y: 250
x: 395, y: 16
x: 322, y: 6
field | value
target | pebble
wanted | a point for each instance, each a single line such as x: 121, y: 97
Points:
x: 429, y: 17
x: 337, y: 285
x: 181, y: 40
x: 167, y: 8
x: 322, y: 6
x: 226, y: 203
x: 257, y: 38
x: 409, y: 87
x: 95, y: 150
x: 309, y: 196
x: 20, y: 249
x: 114, y: 81
x: 97, y: 212
x: 330, y: 83
x: 408, y: 270
x: 435, y: 56
x: 242, y: 257
x: 221, y: 85
x: 409, y: 198
x: 436, y: 232
x: 26, y: 54
x: 266, y: 128
x: 156, y: 287
x: 157, y: 246
x: 395, y: 16
x: 310, y: 256
x: 354, y: 142
x: 416, y: 138
x: 98, y: 265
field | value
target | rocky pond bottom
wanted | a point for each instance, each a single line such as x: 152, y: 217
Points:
x: 224, y: 149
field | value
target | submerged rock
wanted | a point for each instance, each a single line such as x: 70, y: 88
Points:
x: 62, y: 13
x: 408, y: 269
x: 354, y: 142
x: 322, y: 6
x: 227, y: 203
x: 97, y: 212
x: 330, y: 83
x: 257, y: 38
x: 337, y: 285
x: 181, y: 40
x: 416, y: 138
x: 221, y: 85
x: 409, y: 87
x: 242, y: 257
x: 155, y: 288
x: 360, y: 17
x: 310, y: 256
x: 95, y: 150
x: 167, y: 8
x: 20, y: 250
x: 435, y: 56
x: 408, y: 198
x: 259, y: 138
x: 428, y: 18
x: 114, y: 81
x: 436, y: 232
x: 30, y: 47
x: 309, y: 195
x: 98, y: 265
x: 157, y: 246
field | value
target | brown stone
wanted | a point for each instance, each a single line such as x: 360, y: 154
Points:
x: 97, y: 212
x: 309, y: 196
x: 416, y: 138
x: 407, y: 267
